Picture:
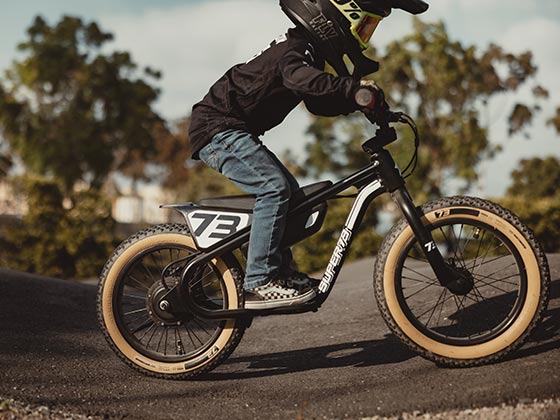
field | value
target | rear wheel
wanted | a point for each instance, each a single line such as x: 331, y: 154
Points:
x: 502, y: 299
x: 137, y: 319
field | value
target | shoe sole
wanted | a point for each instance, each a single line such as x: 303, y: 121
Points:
x: 279, y: 303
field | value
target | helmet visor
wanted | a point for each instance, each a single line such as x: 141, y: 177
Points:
x: 365, y: 29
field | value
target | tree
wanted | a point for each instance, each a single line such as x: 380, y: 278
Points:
x: 536, y: 178
x: 56, y: 241
x: 555, y: 120
x: 443, y: 85
x: 5, y: 164
x: 69, y: 111
x: 535, y: 198
x: 189, y: 179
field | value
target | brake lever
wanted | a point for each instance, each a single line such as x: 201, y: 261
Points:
x: 384, y: 116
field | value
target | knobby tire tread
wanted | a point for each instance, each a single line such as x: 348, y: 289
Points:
x: 232, y: 343
x: 482, y: 204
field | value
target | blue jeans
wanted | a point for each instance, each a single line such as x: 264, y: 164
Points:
x: 243, y: 159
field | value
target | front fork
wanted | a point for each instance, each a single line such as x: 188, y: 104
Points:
x: 444, y: 273
x: 394, y: 182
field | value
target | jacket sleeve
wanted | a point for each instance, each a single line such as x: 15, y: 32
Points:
x: 323, y: 93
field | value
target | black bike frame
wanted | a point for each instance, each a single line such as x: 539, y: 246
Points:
x: 380, y: 176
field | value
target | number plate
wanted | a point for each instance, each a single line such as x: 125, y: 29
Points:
x: 210, y: 227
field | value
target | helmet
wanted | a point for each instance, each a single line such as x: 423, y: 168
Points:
x: 341, y: 29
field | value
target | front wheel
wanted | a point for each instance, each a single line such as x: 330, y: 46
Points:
x: 505, y: 296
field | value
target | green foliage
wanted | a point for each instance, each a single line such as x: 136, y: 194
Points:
x: 534, y: 196
x: 542, y: 215
x: 536, y: 178
x: 555, y: 121
x: 314, y: 253
x: 74, y: 113
x: 54, y: 241
x: 5, y: 165
x: 5, y: 159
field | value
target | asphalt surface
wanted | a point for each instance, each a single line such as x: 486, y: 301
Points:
x: 338, y: 363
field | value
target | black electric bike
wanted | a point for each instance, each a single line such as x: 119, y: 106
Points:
x: 460, y: 280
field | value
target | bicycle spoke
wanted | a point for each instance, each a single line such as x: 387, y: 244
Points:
x: 449, y: 243
x: 150, y: 274
x: 160, y: 339
x: 202, y: 278
x: 418, y: 291
x: 466, y: 244
x: 136, y: 311
x: 458, y: 257
x: 145, y: 324
x: 441, y: 300
x: 196, y: 336
x: 147, y: 331
x: 492, y: 285
x: 498, y: 271
x: 420, y: 274
x: 481, y: 278
x: 152, y: 335
x: 157, y: 263
x: 190, y: 337
x: 134, y: 297
x: 201, y: 326
x: 138, y: 282
x: 481, y: 240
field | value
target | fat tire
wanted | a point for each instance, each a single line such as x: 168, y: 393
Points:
x: 427, y: 211
x: 238, y: 328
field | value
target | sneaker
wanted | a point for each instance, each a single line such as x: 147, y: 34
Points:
x: 298, y: 281
x: 273, y: 295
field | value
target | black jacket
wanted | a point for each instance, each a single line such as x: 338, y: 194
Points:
x: 257, y: 95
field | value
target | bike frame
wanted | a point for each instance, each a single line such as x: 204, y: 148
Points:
x: 380, y: 176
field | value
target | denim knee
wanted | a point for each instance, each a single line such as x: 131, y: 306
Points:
x: 278, y: 188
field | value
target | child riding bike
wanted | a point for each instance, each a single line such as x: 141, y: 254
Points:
x: 253, y: 97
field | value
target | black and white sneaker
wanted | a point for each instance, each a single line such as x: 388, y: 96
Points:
x: 298, y: 281
x: 273, y: 295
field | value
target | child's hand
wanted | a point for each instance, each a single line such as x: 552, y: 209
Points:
x: 371, y: 99
x: 369, y: 96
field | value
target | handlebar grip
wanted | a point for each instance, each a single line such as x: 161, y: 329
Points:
x: 411, y: 6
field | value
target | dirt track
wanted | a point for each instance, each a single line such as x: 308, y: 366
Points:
x: 338, y: 363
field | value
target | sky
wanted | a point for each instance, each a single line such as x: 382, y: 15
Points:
x: 193, y: 42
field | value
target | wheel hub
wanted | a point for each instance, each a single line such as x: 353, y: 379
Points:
x: 161, y: 309
x: 462, y: 280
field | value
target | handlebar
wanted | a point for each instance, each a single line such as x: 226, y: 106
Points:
x: 385, y: 134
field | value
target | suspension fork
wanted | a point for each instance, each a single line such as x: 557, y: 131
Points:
x: 394, y: 182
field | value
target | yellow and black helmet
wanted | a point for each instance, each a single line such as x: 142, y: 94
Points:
x: 341, y: 29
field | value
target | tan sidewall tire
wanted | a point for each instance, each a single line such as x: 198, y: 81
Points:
x: 111, y: 326
x: 506, y: 339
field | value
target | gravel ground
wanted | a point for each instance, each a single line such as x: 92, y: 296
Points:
x: 13, y: 410
x: 536, y: 410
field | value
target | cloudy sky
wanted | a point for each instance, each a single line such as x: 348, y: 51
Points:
x: 193, y: 42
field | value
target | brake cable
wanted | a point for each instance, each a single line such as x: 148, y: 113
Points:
x: 411, y: 166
